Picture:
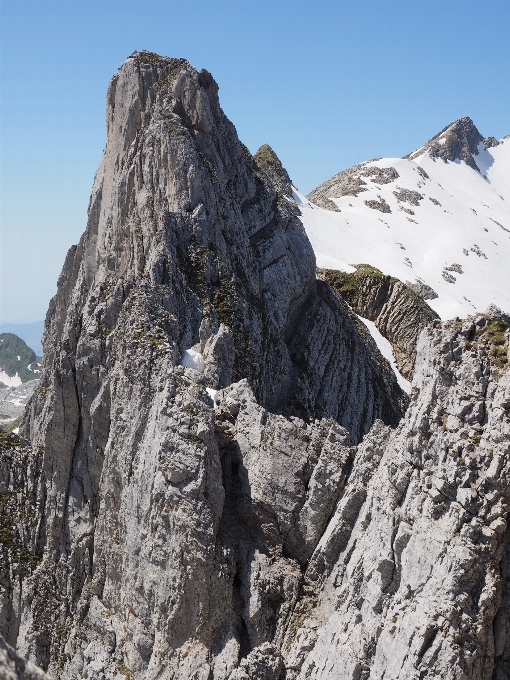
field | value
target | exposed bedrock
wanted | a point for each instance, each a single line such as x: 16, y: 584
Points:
x: 144, y: 540
x: 295, y: 524
x: 14, y: 667
x: 399, y: 313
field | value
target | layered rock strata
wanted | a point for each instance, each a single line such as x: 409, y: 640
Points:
x: 458, y: 141
x: 281, y: 530
x: 398, y: 311
x: 135, y: 533
x: 351, y: 182
x: 269, y: 162
x: 13, y: 667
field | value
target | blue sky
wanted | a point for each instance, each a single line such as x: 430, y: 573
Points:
x: 326, y: 84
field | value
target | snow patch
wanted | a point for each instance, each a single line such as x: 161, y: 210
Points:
x: 468, y: 208
x: 214, y: 394
x: 385, y: 348
x: 193, y: 359
x: 10, y: 381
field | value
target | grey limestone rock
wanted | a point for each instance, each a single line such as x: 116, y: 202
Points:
x: 457, y: 141
x: 269, y: 162
x: 409, y: 578
x: 282, y: 530
x: 351, y: 182
x: 409, y: 196
x: 380, y: 205
x: 146, y: 538
x: 13, y: 667
x: 423, y: 289
x: 398, y: 311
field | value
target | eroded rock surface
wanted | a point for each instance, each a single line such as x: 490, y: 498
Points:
x: 251, y: 517
x: 457, y: 141
x: 409, y: 578
x: 148, y: 536
x: 352, y: 182
x: 13, y: 667
x: 399, y: 312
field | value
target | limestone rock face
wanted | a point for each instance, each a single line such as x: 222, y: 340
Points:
x: 13, y: 667
x: 457, y: 141
x: 352, y: 182
x: 149, y: 536
x: 397, y: 310
x: 267, y: 512
x: 409, y: 579
x: 268, y: 161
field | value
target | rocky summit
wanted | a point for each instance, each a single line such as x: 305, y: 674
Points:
x: 218, y: 476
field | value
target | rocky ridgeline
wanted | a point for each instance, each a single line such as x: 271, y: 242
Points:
x: 399, y: 312
x: 457, y: 141
x: 281, y: 530
x: 269, y: 162
x: 352, y: 182
x: 141, y: 534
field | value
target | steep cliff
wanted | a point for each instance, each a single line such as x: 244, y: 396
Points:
x: 126, y: 553
x: 399, y: 313
x: 252, y: 518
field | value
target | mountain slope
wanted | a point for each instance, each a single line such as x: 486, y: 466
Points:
x: 440, y: 216
x: 18, y: 363
x: 151, y: 532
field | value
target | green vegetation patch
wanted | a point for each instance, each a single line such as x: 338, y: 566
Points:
x: 8, y: 440
x: 12, y: 347
x: 147, y: 57
x: 492, y: 335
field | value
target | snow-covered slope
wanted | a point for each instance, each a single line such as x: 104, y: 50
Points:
x: 439, y: 221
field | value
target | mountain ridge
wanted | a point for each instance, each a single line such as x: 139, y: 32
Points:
x: 444, y: 204
x: 203, y: 485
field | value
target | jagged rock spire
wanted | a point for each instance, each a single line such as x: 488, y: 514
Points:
x: 268, y: 161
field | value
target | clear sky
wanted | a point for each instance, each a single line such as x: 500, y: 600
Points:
x: 326, y: 84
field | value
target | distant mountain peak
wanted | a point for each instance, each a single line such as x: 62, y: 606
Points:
x: 457, y: 141
x: 18, y: 363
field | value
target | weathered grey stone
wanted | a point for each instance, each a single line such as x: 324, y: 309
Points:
x: 141, y: 555
x: 351, y: 182
x: 457, y: 141
x: 269, y: 162
x: 283, y: 530
x: 398, y: 311
x: 13, y: 667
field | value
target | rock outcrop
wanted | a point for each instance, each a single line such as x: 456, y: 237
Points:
x: 269, y: 162
x: 398, y: 311
x: 133, y: 559
x: 248, y: 516
x: 457, y: 141
x: 351, y: 182
x: 13, y: 667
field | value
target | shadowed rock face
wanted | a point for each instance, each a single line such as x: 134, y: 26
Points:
x: 268, y: 161
x: 153, y: 531
x: 399, y: 313
x: 13, y: 667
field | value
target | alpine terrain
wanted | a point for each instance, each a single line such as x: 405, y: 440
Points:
x: 19, y: 370
x: 438, y: 218
x: 237, y: 466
